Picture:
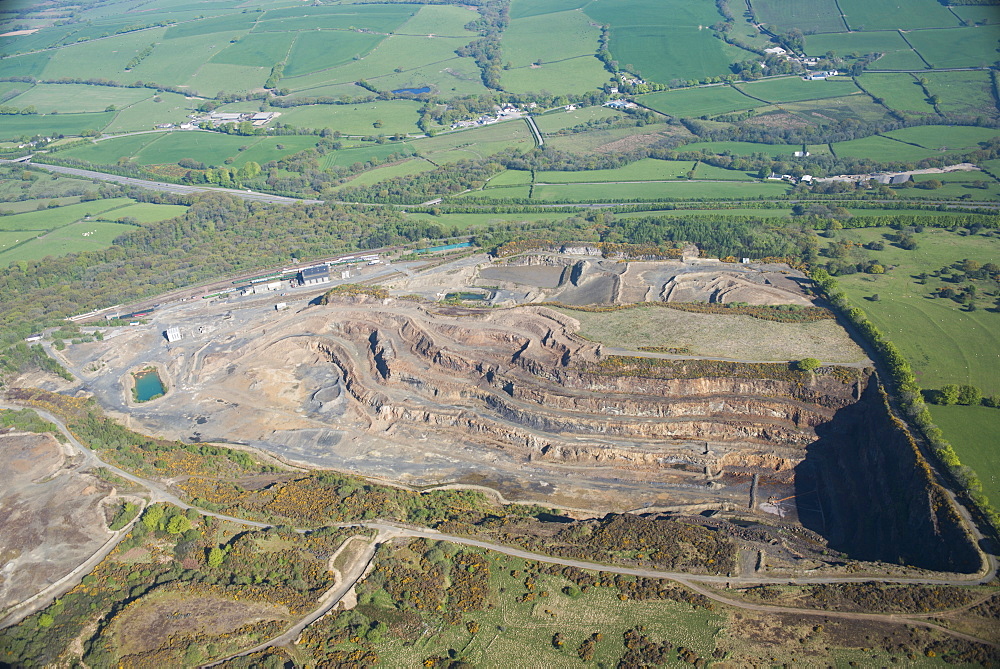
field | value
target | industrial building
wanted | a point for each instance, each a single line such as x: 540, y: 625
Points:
x: 311, y: 276
x: 173, y: 334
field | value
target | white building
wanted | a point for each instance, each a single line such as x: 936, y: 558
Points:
x: 173, y: 334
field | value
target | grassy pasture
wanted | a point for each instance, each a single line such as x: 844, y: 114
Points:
x: 741, y: 337
x: 601, y: 141
x: 73, y: 238
x: 558, y: 120
x: 848, y: 107
x: 511, y: 178
x: 744, y: 148
x: 663, y: 190
x: 522, y: 192
x: 30, y: 65
x: 404, y: 168
x: 976, y: 13
x: 975, y: 433
x: 888, y: 43
x: 105, y: 59
x: 867, y: 15
x: 53, y: 124
x: 882, y: 148
x: 172, y: 108
x: 347, y: 157
x: 578, y: 74
x: 706, y: 171
x: 692, y: 102
x: 968, y: 93
x: 943, y: 342
x: 177, y: 61
x: 147, y: 212
x: 256, y: 49
x: 50, y: 219
x: 958, y: 47
x: 215, y: 24
x: 378, y: 18
x: 264, y: 149
x: 797, y: 89
x: 549, y: 38
x: 902, y: 92
x: 809, y: 16
x: 42, y: 39
x: 358, y: 119
x: 666, y: 40
x: 647, y: 169
x: 474, y: 142
x: 109, y: 150
x: 32, y: 205
x: 211, y: 78
x: 440, y: 21
x: 318, y: 50
x: 520, y: 9
x: 945, y: 137
x: 68, y: 98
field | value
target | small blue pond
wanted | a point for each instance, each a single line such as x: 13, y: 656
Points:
x: 446, y: 247
x: 147, y: 385
x: 413, y: 91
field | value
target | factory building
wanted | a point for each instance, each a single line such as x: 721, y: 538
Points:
x: 173, y: 334
x: 311, y: 276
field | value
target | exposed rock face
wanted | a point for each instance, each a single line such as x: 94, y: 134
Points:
x: 879, y: 500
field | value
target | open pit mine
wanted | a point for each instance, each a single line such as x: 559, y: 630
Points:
x: 456, y: 374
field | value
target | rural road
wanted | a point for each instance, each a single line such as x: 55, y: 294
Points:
x: 388, y: 529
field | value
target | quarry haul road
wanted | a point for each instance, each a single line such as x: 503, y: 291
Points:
x: 387, y: 530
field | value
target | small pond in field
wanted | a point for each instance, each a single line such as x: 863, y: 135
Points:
x: 147, y: 385
x: 413, y: 91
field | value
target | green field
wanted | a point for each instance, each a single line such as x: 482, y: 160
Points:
x: 808, y: 16
x: 689, y: 102
x: 881, y: 148
x: 105, y: 58
x: 897, y: 53
x: 511, y: 178
x: 171, y: 108
x: 666, y: 40
x: 369, y: 152
x: 711, y: 172
x: 78, y: 97
x: 147, y: 212
x: 664, y: 190
x: 795, y: 89
x: 744, y: 148
x: 901, y: 92
x: 404, y: 168
x: 975, y: 433
x: 52, y: 124
x: 474, y: 142
x: 50, y: 219
x: 599, y: 141
x: 560, y: 119
x: 520, y: 9
x: 30, y: 65
x: 178, y: 61
x: 74, y: 238
x: 967, y: 93
x: 397, y: 116
x: 374, y: 17
x: 848, y: 107
x: 958, y: 47
x: 915, y: 14
x: 542, y: 63
x: 944, y: 137
x: 211, y: 148
x: 314, y: 51
x: 943, y: 342
x: 648, y: 169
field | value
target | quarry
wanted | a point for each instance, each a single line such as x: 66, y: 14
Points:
x: 475, y: 372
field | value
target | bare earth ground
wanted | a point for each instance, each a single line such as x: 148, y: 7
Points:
x: 736, y: 337
x: 51, y: 518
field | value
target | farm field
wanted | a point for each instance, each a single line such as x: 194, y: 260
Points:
x: 53, y: 124
x: 820, y: 16
x: 95, y: 59
x: 616, y: 139
x: 647, y: 169
x: 257, y: 50
x: 967, y: 93
x: 901, y: 92
x: 957, y: 47
x: 886, y: 149
x: 320, y: 50
x: 67, y: 98
x: 945, y: 138
x: 796, y: 89
x: 50, y: 219
x: 867, y: 15
x: 656, y: 191
x: 542, y: 63
x: 848, y: 107
x: 404, y: 168
x: 397, y: 116
x: 682, y: 48
x: 347, y: 157
x: 146, y: 212
x: 897, y: 53
x: 744, y: 148
x: 708, y: 101
x: 974, y: 432
x: 511, y: 178
x: 210, y: 148
x: 73, y: 238
x: 144, y: 115
x: 474, y: 142
x: 577, y: 74
x: 942, y: 341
